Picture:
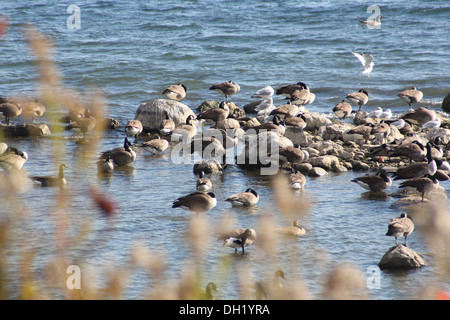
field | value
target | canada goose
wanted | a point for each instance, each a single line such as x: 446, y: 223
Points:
x: 411, y: 96
x: 264, y: 93
x: 133, y: 129
x: 292, y: 154
x: 198, y: 202
x: 294, y: 231
x: 226, y: 88
x: 105, y: 166
x: 298, y: 121
x: 122, y: 156
x: 300, y: 97
x: 272, y: 291
x: 33, y: 109
x: 359, y: 98
x: 167, y: 125
x: 419, y: 116
x: 311, y: 99
x: 441, y: 175
x: 423, y: 184
x: 374, y: 182
x: 366, y: 60
x: 363, y: 130
x: 380, y: 151
x: 208, y: 294
x: 373, y: 23
x: 204, y: 184
x: 185, y: 131
x: 208, y: 147
x: 297, y: 180
x: 400, y: 227
x: 265, y: 107
x: 288, y: 90
x: 414, y: 150
x: 381, y: 131
x: 342, y: 109
x: 416, y: 170
x: 286, y: 110
x: 58, y: 181
x: 216, y: 114
x: 155, y: 146
x: 176, y: 92
x: 85, y: 123
x: 12, y: 158
x: 277, y: 124
x: 238, y: 238
x: 248, y: 198
x: 10, y: 109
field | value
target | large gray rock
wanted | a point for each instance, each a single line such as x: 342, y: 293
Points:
x: 151, y: 113
x: 298, y: 136
x: 446, y: 103
x: 326, y: 162
x: 401, y: 257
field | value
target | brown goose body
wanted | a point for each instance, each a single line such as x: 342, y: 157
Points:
x: 238, y: 238
x: 374, y: 182
x: 134, y: 129
x: 248, y: 198
x: 155, y: 146
x: 419, y: 116
x: 293, y: 231
x: 33, y: 109
x: 292, y: 154
x: 10, y: 109
x: 400, y: 227
x: 50, y: 181
x: 203, y: 184
x: 198, y: 202
x: 122, y: 156
x: 216, y: 114
x: 359, y: 98
x: 342, y: 109
x: 411, y: 96
x: 297, y: 180
x: 423, y: 184
x: 12, y: 158
x: 176, y: 91
x: 226, y: 88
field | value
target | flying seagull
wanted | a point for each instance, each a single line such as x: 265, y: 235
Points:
x: 366, y: 60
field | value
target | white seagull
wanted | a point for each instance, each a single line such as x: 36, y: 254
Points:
x: 366, y: 60
x: 436, y: 123
x: 265, y: 107
x: 264, y: 93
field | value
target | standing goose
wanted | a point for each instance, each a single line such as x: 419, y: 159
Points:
x: 238, y: 238
x: 33, y: 109
x: 342, y: 109
x: 416, y: 170
x: 133, y: 129
x: 375, y: 182
x: 155, y: 146
x: 293, y: 231
x: 185, y: 131
x: 381, y: 131
x: 400, y: 227
x: 12, y: 158
x: 277, y: 125
x: 122, y: 156
x: 58, y: 181
x: 216, y: 114
x: 167, y: 125
x: 226, y: 88
x: 85, y: 124
x: 359, y: 98
x: 292, y: 154
x: 301, y: 97
x: 419, y: 116
x: 198, y: 202
x: 248, y: 198
x: 411, y: 96
x: 297, y: 180
x: 10, y: 109
x: 176, y: 92
x: 423, y: 185
x: 204, y: 184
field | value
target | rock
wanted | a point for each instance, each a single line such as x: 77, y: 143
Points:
x: 208, y: 104
x: 335, y: 131
x: 228, y: 123
x: 303, y: 167
x: 298, y: 136
x: 443, y: 133
x: 317, y: 172
x: 25, y: 130
x: 326, y: 162
x: 446, y: 103
x: 401, y: 257
x: 360, y: 166
x: 151, y: 113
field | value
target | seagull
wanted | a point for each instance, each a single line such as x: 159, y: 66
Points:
x: 432, y: 124
x: 366, y: 60
x: 264, y: 93
x: 265, y: 107
x: 376, y: 113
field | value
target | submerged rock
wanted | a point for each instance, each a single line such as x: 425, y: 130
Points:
x: 25, y: 130
x: 401, y: 257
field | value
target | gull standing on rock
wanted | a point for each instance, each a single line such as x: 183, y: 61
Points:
x: 366, y: 60
x: 264, y: 93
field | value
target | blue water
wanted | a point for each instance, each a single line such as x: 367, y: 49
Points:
x: 131, y: 51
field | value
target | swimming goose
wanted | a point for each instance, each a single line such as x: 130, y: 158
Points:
x: 264, y: 93
x: 359, y: 98
x: 238, y: 238
x: 248, y: 198
x: 414, y: 150
x: 58, y: 181
x: 411, y: 96
x: 208, y: 147
x: 105, y: 166
x: 122, y: 156
x: 374, y: 182
x: 288, y: 90
x: 216, y: 114
x: 342, y: 109
x: 373, y: 23
x: 419, y: 116
x: 293, y: 154
x: 293, y: 231
x: 208, y: 294
x: 10, y: 109
x: 133, y: 129
x: 400, y: 227
x: 226, y: 88
x: 176, y: 91
x: 185, y: 131
x: 288, y: 110
x: 198, y: 202
x: 155, y: 146
x: 423, y: 184
x: 204, y: 184
x: 366, y: 60
x: 298, y: 121
x: 33, y: 109
x: 297, y: 180
x: 12, y: 158
x: 167, y: 125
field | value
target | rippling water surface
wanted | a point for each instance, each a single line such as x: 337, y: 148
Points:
x: 133, y: 50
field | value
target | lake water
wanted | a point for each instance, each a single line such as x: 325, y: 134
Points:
x: 133, y: 50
